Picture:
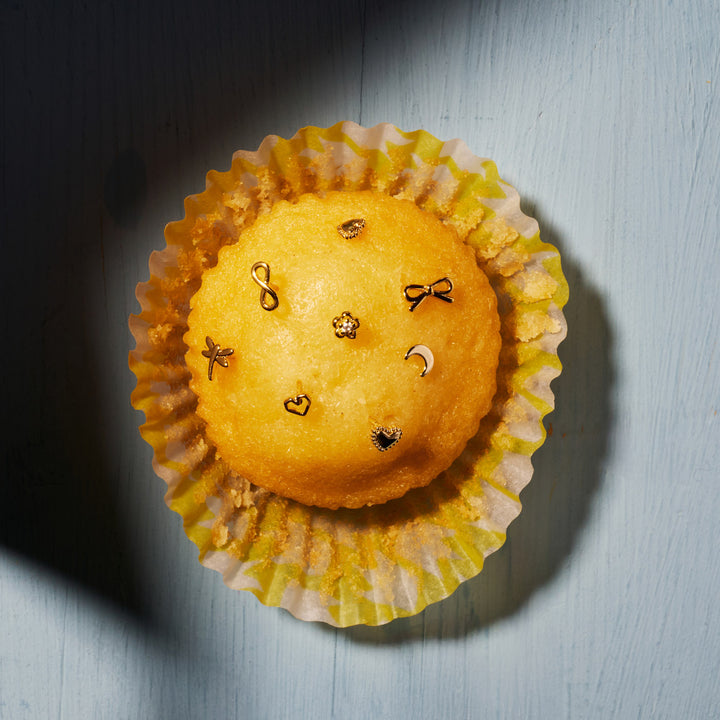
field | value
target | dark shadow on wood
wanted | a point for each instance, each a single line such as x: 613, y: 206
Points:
x: 101, y: 102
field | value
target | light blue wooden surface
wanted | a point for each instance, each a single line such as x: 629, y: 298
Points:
x: 604, y: 601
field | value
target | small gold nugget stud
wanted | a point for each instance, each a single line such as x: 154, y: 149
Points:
x: 216, y: 355
x: 384, y: 438
x: 298, y: 405
x: 440, y: 289
x: 265, y: 288
x: 351, y: 228
x: 346, y: 325
x: 426, y: 354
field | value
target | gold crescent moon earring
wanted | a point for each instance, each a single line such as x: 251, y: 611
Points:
x: 426, y: 354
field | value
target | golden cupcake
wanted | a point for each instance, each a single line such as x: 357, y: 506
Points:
x: 344, y: 349
x: 343, y: 288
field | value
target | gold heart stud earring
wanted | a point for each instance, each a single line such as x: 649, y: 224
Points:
x: 384, y: 438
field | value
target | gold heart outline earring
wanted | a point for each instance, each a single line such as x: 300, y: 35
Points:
x: 298, y: 405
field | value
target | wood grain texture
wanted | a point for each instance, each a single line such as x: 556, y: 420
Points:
x: 605, y: 116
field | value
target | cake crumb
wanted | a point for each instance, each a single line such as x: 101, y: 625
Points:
x: 535, y: 285
x: 533, y: 324
x: 491, y: 237
x: 509, y: 261
x: 219, y: 534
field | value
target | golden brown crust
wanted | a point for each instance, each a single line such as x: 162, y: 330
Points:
x: 354, y: 386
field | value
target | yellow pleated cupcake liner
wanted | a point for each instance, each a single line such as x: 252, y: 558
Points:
x: 366, y: 566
